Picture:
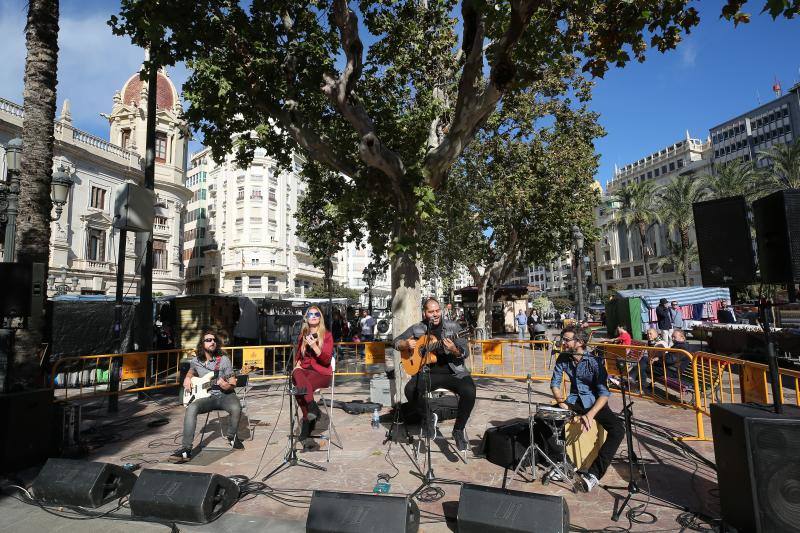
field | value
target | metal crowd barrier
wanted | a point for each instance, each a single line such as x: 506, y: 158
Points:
x: 93, y: 375
x: 512, y: 358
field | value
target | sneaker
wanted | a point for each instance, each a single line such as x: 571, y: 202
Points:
x: 555, y: 475
x: 614, y: 380
x: 589, y: 481
x: 181, y: 456
x: 235, y: 442
x: 461, y: 440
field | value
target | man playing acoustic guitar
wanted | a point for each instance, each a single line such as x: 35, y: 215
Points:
x: 447, y: 372
x: 209, y: 358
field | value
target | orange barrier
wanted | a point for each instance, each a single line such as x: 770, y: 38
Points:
x: 91, y: 374
x: 511, y: 359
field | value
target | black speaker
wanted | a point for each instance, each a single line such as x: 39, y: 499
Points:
x: 758, y: 468
x: 83, y: 483
x: 723, y: 242
x: 777, y: 222
x: 492, y: 510
x: 346, y: 512
x: 505, y: 445
x: 194, y: 497
x: 26, y: 428
x: 15, y: 299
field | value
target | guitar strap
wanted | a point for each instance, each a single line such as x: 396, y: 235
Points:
x: 216, y: 372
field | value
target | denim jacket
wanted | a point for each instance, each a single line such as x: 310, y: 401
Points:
x: 449, y: 329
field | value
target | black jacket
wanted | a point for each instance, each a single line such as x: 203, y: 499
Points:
x: 664, y: 320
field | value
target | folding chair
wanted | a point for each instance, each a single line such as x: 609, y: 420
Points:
x: 241, y: 383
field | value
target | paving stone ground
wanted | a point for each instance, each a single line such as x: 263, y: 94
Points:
x: 680, y: 475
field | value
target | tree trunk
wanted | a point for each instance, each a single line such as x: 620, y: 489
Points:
x: 406, y: 303
x: 643, y: 240
x: 684, y: 234
x: 33, y: 220
x: 489, y: 299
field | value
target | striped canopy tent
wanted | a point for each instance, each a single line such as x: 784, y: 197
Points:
x: 683, y: 295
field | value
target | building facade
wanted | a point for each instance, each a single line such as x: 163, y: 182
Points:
x: 84, y: 244
x: 617, y: 261
x: 773, y: 123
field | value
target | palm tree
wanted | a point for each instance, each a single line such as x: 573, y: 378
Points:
x: 637, y: 209
x: 680, y: 258
x: 734, y: 178
x: 675, y: 201
x: 785, y: 171
x: 33, y: 221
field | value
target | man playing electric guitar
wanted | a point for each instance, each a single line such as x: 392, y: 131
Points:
x: 209, y: 358
x: 448, y: 372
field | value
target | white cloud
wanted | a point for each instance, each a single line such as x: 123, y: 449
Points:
x: 92, y: 62
x: 688, y: 54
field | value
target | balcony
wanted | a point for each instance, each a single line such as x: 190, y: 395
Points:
x: 91, y: 265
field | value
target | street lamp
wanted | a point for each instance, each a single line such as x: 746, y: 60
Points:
x: 60, y: 185
x: 59, y: 189
x: 577, y: 236
x: 369, y: 275
x: 9, y: 196
x: 62, y: 287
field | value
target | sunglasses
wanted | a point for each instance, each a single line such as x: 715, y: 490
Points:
x: 312, y: 314
x: 211, y: 339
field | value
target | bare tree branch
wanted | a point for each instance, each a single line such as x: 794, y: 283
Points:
x: 474, y: 104
x: 340, y: 92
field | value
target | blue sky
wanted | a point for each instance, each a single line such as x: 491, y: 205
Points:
x: 717, y: 72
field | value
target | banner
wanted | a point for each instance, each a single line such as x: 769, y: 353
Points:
x: 253, y: 357
x: 492, y: 353
x: 134, y: 366
x: 374, y: 352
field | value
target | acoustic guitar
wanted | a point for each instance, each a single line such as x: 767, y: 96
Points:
x: 422, y: 354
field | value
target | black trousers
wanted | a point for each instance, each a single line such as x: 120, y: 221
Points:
x: 464, y: 387
x: 606, y: 418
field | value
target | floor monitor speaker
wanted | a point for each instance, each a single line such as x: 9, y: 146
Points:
x: 81, y: 483
x: 723, y: 242
x: 345, y: 512
x: 777, y: 222
x: 194, y: 497
x: 758, y: 468
x: 493, y: 510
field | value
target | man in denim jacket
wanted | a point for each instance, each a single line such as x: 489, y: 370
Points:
x: 448, y: 372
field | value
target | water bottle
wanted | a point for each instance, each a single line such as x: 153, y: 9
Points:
x: 376, y: 419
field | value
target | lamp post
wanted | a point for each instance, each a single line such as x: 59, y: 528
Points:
x: 9, y: 196
x: 63, y: 287
x: 60, y: 185
x: 577, y: 237
x: 369, y: 275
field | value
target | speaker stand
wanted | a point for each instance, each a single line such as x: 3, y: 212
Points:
x: 291, y: 459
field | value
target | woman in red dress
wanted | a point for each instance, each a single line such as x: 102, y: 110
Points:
x: 312, y: 368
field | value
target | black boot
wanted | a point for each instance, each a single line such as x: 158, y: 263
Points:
x: 305, y: 430
x: 313, y: 410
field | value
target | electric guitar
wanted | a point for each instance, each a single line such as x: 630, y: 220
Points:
x: 422, y: 354
x: 201, y: 387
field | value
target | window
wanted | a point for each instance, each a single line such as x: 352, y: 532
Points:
x: 96, y: 246
x: 273, y: 198
x: 607, y: 255
x: 650, y: 174
x: 125, y: 138
x: 255, y: 193
x: 237, y: 284
x: 272, y: 284
x: 254, y: 261
x: 625, y: 272
x: 254, y: 283
x: 680, y: 163
x: 672, y: 166
x: 240, y: 193
x: 609, y: 274
x: 657, y: 171
x: 98, y: 200
x: 638, y: 270
x: 161, y: 147
x: 159, y: 254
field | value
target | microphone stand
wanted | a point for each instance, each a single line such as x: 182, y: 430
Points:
x: 291, y: 459
x: 429, y: 478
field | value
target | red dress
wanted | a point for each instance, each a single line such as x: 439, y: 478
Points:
x: 315, y: 370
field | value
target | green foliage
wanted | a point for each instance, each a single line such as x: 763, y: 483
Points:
x: 784, y: 170
x: 319, y: 290
x: 734, y: 178
x: 542, y: 304
x: 563, y: 305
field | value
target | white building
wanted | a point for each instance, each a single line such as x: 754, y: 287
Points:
x: 618, y: 260
x: 240, y: 233
x: 84, y: 245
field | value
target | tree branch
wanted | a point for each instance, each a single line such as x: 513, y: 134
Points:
x: 340, y: 92
x: 474, y: 104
